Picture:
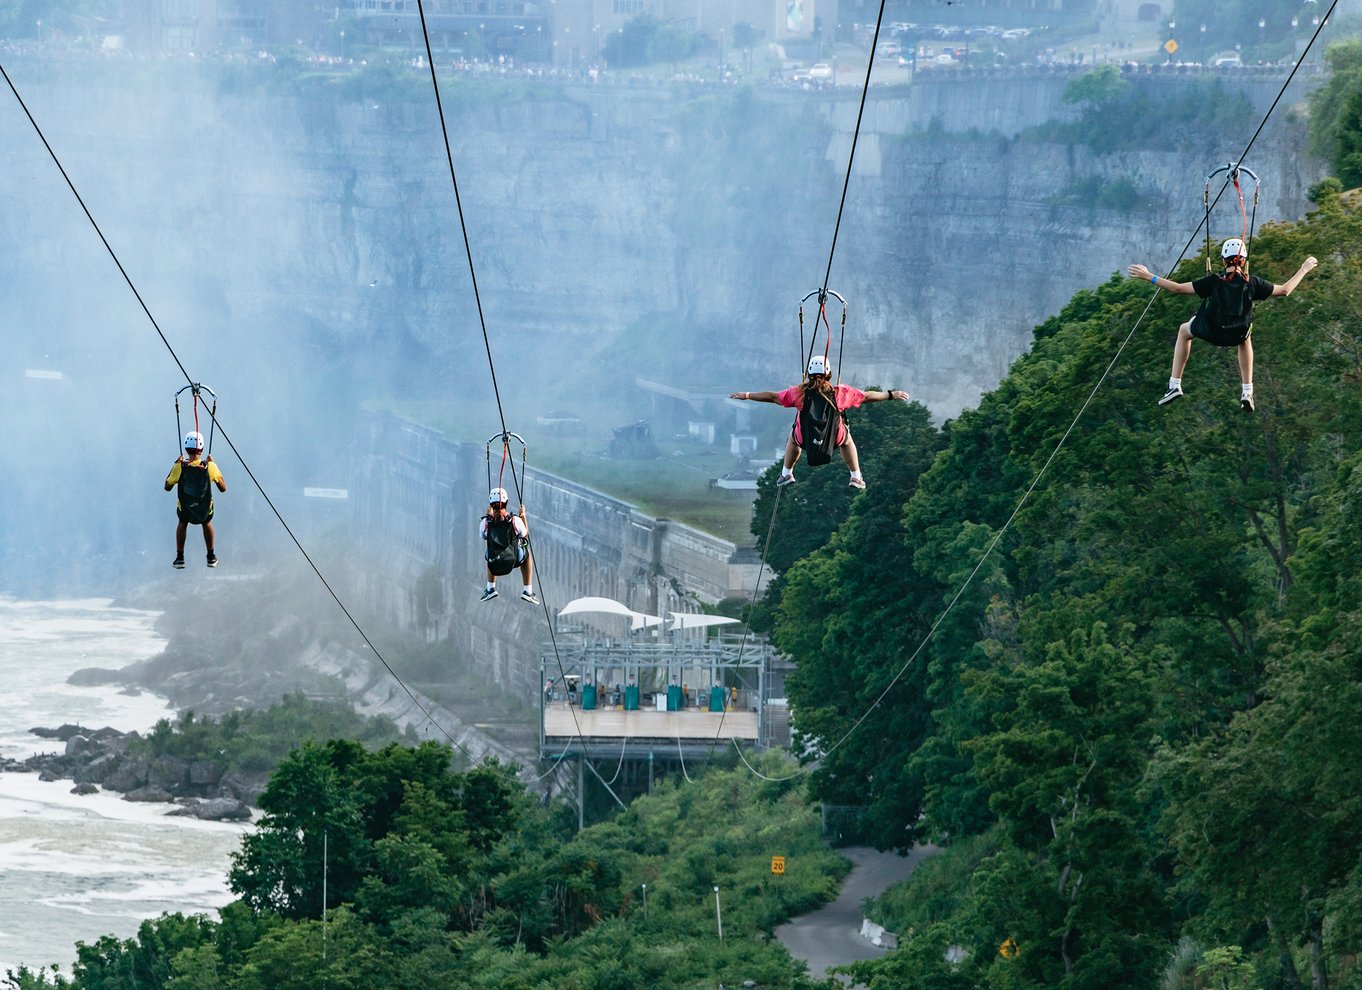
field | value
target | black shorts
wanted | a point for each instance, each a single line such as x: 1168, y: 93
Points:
x: 1202, y: 329
x: 196, y: 518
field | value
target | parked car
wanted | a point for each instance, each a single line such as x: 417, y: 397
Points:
x: 889, y: 49
x: 820, y: 70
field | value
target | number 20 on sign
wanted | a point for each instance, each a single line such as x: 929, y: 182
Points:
x: 778, y: 866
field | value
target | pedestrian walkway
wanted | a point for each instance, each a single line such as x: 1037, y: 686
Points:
x: 831, y: 936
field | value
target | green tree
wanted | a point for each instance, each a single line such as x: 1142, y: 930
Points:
x: 847, y: 614
x: 745, y: 38
x: 628, y: 46
x: 312, y: 826
x: 144, y: 961
x: 671, y: 43
x: 1327, y: 103
x: 1097, y: 88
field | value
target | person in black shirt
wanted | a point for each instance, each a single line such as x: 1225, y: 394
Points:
x: 1225, y: 317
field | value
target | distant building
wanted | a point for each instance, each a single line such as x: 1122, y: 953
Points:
x: 184, y: 26
x: 565, y: 33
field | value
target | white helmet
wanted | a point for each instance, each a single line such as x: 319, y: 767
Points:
x: 193, y: 440
x: 818, y: 365
x: 497, y: 495
x: 1233, y: 248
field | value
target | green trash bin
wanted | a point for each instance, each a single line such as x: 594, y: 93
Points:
x: 674, y: 697
x: 589, y: 698
x: 717, y: 696
x: 631, y: 698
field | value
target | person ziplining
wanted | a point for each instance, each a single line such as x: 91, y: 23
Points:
x: 1225, y: 317
x: 194, y: 474
x: 820, y: 425
x: 506, y: 535
x: 508, y: 546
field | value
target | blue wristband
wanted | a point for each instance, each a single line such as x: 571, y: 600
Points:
x: 1154, y: 279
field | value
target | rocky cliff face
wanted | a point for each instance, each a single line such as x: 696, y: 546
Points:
x: 324, y: 229
x: 303, y: 253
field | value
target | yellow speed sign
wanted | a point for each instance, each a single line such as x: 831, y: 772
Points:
x: 778, y: 865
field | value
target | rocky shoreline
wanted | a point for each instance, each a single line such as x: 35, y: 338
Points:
x: 99, y: 759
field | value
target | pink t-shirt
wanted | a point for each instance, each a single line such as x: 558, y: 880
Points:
x: 847, y: 398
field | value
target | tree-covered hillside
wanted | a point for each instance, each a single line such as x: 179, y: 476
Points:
x: 1131, y: 710
x: 435, y: 878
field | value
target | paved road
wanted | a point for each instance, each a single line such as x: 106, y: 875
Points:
x: 831, y: 936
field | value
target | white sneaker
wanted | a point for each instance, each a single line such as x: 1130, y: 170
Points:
x: 1246, y: 403
x: 785, y: 479
x: 488, y: 595
x: 1174, y: 392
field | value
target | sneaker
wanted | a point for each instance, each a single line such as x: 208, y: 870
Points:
x: 1246, y: 403
x: 488, y: 595
x: 1173, y: 393
x: 785, y: 479
x: 178, y: 562
x: 856, y: 483
x: 212, y: 559
x: 529, y: 596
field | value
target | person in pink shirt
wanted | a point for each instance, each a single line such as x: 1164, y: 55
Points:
x: 820, y: 426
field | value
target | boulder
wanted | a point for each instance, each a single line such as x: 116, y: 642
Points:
x: 85, y: 788
x: 214, y: 810
x: 150, y: 793
x: 94, y: 677
x: 63, y: 732
x: 77, y: 746
x: 98, y: 769
x: 204, y: 773
x: 128, y: 776
x: 169, y: 772
x: 244, y: 786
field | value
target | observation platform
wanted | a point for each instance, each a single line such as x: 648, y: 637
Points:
x: 642, y: 731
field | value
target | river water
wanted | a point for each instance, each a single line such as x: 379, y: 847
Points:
x: 75, y: 868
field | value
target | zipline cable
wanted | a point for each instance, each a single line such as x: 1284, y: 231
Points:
x: 487, y: 348
x: 851, y: 157
x: 822, y: 313
x: 216, y: 424
x: 988, y: 551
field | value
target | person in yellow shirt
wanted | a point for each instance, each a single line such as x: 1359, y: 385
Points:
x: 194, y: 475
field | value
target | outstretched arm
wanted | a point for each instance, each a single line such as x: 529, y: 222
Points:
x: 756, y: 396
x: 893, y: 393
x: 1289, y: 286
x: 1145, y: 275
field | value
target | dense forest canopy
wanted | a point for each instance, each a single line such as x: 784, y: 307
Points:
x: 1135, y: 721
x: 433, y: 877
